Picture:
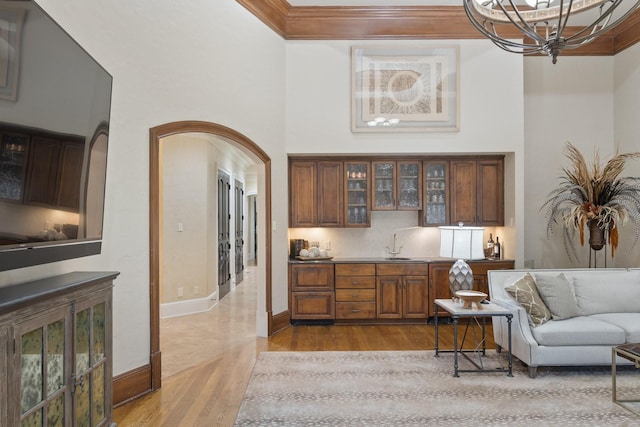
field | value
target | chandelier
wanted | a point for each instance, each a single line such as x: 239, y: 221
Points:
x: 546, y: 25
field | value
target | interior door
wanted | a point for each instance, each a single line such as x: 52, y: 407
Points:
x: 239, y: 229
x: 224, y: 244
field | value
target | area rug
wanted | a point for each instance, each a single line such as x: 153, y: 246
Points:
x: 414, y: 388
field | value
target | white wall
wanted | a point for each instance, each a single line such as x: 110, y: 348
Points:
x: 491, y: 121
x: 199, y: 60
x: 627, y: 135
x: 570, y: 101
x: 185, y: 201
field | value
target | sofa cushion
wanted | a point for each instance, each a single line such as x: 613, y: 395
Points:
x: 557, y: 295
x: 525, y: 292
x: 578, y: 331
x: 628, y: 322
x: 608, y: 292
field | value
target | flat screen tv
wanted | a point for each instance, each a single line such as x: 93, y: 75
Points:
x: 55, y: 103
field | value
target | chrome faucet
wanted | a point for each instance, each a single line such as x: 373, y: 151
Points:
x: 396, y: 250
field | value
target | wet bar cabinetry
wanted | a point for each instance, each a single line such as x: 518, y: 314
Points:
x: 40, y: 168
x: 355, y: 291
x: 375, y: 292
x: 397, y: 185
x: 436, y: 193
x: 357, y: 194
x: 312, y: 291
x: 402, y: 291
x: 439, y: 278
x: 316, y: 193
x: 56, y: 351
x: 444, y: 190
x: 477, y: 191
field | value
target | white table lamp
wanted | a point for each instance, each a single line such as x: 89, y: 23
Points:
x: 463, y: 243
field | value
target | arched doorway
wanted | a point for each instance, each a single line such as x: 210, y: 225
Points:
x: 243, y: 143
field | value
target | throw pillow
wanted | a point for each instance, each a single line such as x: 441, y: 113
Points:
x: 525, y: 292
x: 557, y: 296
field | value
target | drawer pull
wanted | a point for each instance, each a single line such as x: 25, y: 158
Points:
x: 355, y: 311
x: 355, y: 282
x: 355, y: 295
x: 355, y: 269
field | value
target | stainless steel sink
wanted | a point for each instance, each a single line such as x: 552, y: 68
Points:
x: 397, y: 259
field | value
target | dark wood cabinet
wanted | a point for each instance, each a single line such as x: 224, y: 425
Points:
x: 435, y: 197
x: 312, y: 291
x: 53, y: 173
x: 14, y: 152
x: 397, y: 185
x: 439, y: 278
x: 302, y: 194
x: 316, y: 194
x: 41, y: 168
x: 444, y: 189
x: 477, y: 191
x: 357, y: 194
x: 355, y: 291
x: 402, y: 291
x: 56, y: 351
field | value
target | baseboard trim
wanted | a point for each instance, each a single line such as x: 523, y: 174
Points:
x: 191, y: 306
x: 131, y: 385
x: 280, y: 321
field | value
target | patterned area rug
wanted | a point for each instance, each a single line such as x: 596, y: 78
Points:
x: 414, y: 388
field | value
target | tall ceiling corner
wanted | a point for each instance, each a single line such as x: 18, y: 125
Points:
x: 272, y: 12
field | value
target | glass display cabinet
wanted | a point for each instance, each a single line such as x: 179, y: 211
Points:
x: 357, y: 200
x: 14, y: 149
x: 436, y: 193
x: 397, y: 185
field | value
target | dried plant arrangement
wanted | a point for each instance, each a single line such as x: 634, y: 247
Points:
x: 594, y: 195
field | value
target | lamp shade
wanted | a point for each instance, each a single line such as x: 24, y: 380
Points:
x: 462, y: 242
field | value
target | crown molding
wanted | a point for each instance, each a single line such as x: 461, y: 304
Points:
x: 405, y: 22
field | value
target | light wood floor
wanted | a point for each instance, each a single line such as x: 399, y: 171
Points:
x: 207, y: 358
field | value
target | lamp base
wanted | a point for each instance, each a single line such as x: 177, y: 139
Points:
x: 460, y: 277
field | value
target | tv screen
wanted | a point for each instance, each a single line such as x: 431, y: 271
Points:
x: 55, y: 102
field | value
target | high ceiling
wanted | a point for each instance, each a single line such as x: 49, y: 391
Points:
x: 361, y: 3
x: 402, y: 19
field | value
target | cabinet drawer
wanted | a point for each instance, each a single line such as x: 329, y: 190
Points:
x: 312, y: 305
x: 355, y: 310
x: 355, y: 295
x: 393, y: 269
x: 355, y: 269
x: 317, y: 277
x: 356, y: 282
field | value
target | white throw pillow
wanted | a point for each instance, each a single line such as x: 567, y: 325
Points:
x: 556, y: 293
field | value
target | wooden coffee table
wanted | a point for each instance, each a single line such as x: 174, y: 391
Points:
x: 630, y: 352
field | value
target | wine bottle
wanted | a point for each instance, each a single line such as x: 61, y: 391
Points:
x: 496, y: 248
x: 490, y: 246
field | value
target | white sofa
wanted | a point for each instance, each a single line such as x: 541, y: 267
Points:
x: 609, y: 315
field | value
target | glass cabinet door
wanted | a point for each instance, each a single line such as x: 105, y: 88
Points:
x: 409, y: 185
x: 436, y: 193
x: 90, y: 366
x: 384, y: 186
x: 357, y: 204
x: 44, y: 394
x: 13, y: 165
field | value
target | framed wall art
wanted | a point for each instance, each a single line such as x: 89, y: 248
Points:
x: 404, y: 89
x: 11, y: 20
